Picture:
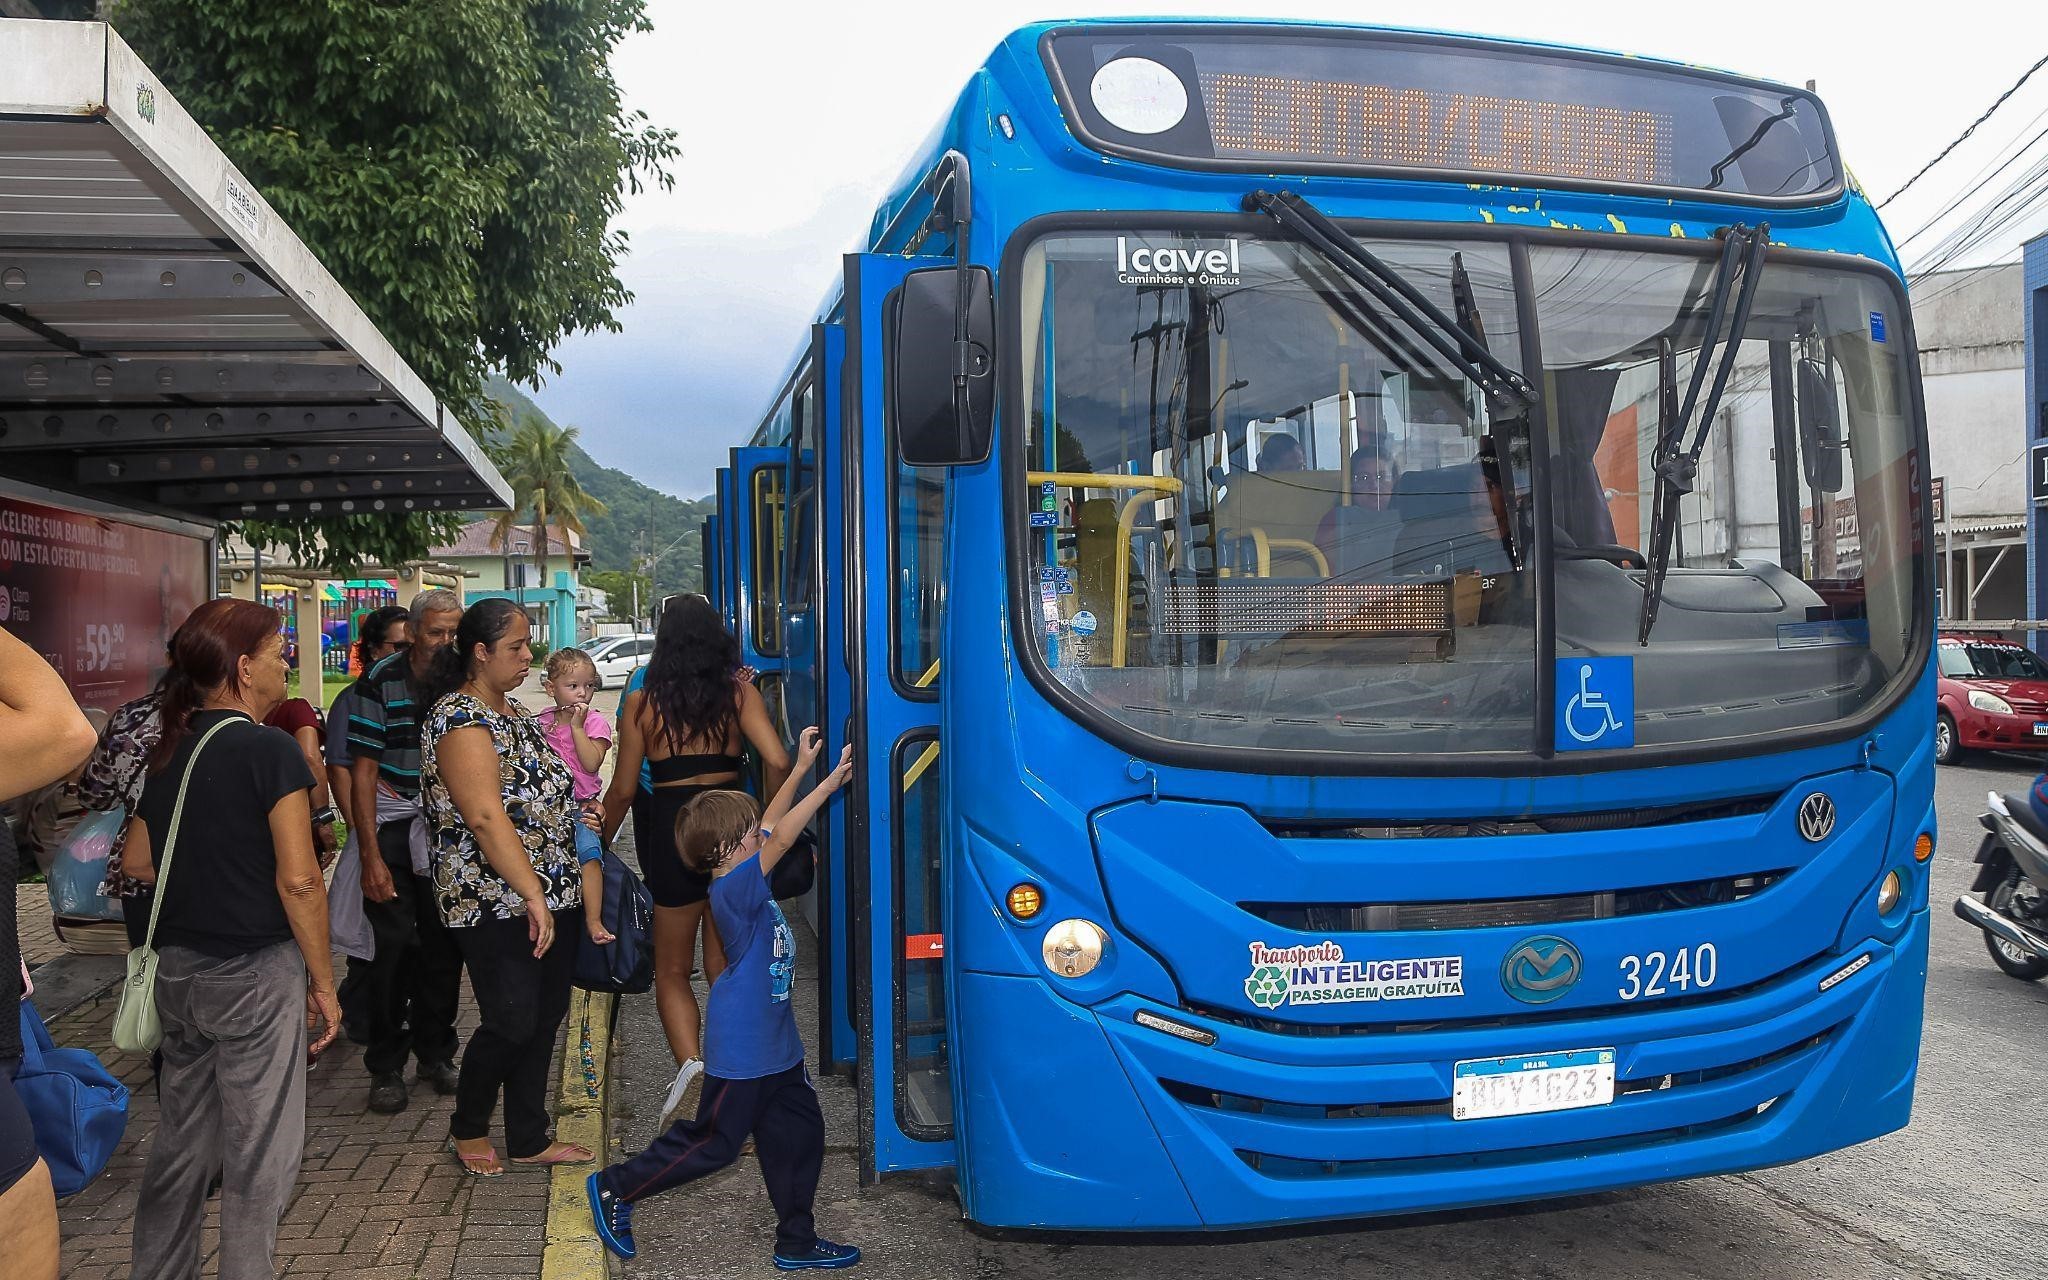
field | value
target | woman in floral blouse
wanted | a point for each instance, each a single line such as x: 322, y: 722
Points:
x: 502, y: 811
x: 113, y: 779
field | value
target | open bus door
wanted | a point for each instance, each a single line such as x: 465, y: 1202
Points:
x: 893, y: 888
x: 760, y: 474
x: 724, y: 524
x: 713, y: 561
x: 816, y: 689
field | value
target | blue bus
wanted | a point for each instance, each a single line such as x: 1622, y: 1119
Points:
x: 1380, y: 582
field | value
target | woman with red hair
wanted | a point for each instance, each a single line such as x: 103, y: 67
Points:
x: 224, y: 832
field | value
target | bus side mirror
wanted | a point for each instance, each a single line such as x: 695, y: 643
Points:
x: 1820, y: 427
x: 939, y: 353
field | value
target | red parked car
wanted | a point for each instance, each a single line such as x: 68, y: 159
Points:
x: 1993, y: 696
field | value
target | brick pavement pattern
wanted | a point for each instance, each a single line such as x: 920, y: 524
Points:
x: 379, y: 1197
x: 32, y: 923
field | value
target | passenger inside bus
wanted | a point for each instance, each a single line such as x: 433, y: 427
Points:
x: 1358, y: 538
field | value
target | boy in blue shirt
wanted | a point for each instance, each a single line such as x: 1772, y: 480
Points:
x: 754, y: 1078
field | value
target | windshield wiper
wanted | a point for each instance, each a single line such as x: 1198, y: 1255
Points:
x: 1508, y: 394
x: 1676, y: 462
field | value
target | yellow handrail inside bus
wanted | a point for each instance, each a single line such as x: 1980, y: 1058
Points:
x: 917, y: 767
x: 1153, y: 489
x: 925, y: 681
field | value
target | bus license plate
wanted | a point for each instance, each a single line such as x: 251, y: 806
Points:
x: 1483, y: 1088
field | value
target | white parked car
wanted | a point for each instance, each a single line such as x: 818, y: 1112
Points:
x: 618, y: 657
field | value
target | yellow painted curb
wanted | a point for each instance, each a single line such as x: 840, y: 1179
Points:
x: 573, y: 1250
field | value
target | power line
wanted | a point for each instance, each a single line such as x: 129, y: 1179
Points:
x: 1975, y: 185
x: 1966, y: 133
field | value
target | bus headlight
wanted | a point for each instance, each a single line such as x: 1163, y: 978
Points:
x: 1889, y: 891
x: 1990, y: 702
x: 1073, y: 948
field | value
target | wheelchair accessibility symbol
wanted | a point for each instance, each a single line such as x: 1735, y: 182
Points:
x: 1596, y: 703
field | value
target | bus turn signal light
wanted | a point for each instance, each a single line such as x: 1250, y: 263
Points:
x: 1923, y: 848
x: 1026, y: 900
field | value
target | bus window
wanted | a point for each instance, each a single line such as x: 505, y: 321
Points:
x: 767, y: 560
x: 1202, y: 568
x: 924, y: 1082
x: 1754, y: 636
x: 916, y: 510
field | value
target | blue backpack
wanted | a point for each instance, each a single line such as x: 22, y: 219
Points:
x: 624, y: 966
x: 77, y: 1109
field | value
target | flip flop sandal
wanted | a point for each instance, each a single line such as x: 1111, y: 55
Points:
x: 571, y: 1153
x: 472, y: 1165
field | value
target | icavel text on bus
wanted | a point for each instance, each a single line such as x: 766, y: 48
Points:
x: 1384, y: 610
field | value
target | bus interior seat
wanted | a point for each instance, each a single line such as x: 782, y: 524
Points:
x: 1287, y: 506
x: 1447, y: 523
x: 1363, y: 543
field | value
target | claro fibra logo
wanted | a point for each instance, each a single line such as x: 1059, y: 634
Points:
x: 1539, y: 970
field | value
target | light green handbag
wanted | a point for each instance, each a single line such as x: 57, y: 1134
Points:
x: 137, y: 1029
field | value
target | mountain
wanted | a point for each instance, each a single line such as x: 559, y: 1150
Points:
x: 638, y: 520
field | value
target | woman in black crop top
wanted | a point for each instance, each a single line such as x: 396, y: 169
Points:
x: 689, y: 724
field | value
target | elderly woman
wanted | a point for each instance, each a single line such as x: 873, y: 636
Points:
x: 224, y: 832
x: 502, y: 810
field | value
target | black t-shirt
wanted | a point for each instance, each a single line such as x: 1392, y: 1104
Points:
x: 220, y: 896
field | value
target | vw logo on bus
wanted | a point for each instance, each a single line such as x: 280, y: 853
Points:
x: 1539, y: 970
x: 1816, y: 816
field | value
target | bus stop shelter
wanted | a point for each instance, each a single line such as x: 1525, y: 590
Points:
x: 166, y: 342
x: 171, y: 356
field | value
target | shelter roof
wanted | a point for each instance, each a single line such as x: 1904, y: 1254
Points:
x: 166, y: 342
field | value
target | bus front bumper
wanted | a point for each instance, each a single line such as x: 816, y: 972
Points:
x: 1125, y: 1127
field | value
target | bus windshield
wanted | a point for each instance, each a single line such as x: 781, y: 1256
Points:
x: 1261, y: 513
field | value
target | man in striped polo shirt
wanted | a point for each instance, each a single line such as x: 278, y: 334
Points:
x: 414, y: 979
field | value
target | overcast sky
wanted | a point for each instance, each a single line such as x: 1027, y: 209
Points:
x: 794, y: 117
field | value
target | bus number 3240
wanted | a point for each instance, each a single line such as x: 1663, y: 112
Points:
x: 1659, y: 974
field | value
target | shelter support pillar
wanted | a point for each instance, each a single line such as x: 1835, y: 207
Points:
x: 311, y: 673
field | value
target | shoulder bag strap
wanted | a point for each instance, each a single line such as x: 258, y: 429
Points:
x: 163, y: 869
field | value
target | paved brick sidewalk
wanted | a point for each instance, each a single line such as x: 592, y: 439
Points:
x: 32, y: 923
x: 379, y: 1197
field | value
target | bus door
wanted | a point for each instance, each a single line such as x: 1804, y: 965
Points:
x: 760, y: 476
x: 894, y: 808
x: 816, y: 688
x: 724, y: 523
x: 713, y: 562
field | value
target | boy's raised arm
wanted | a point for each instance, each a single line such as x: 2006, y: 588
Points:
x: 782, y: 833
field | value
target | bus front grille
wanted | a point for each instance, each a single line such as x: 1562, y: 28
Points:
x: 1218, y: 1100
x: 1374, y: 917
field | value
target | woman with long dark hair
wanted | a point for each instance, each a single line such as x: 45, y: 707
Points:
x: 501, y: 807
x: 225, y: 834
x: 689, y: 723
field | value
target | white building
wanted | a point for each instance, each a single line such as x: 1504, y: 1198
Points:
x: 1970, y: 326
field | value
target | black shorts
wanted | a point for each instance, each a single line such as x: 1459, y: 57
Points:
x: 654, y: 834
x: 17, y: 1139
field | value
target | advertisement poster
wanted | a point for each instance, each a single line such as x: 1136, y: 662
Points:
x: 97, y: 597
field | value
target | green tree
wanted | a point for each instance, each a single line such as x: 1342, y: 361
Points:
x: 624, y: 587
x: 538, y: 463
x: 455, y: 165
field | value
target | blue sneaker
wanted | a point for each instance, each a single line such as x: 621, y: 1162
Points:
x: 823, y: 1255
x: 614, y: 1217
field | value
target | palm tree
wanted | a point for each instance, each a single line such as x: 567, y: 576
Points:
x: 536, y: 463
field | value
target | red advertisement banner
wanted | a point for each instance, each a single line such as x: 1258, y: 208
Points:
x: 97, y: 597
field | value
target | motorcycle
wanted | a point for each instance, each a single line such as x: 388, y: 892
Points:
x: 2012, y: 874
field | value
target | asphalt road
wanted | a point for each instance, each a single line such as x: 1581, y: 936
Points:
x: 1955, y: 1194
